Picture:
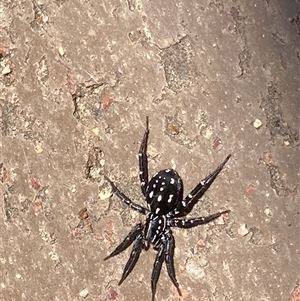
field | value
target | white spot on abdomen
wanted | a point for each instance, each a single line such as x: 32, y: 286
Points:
x: 170, y: 198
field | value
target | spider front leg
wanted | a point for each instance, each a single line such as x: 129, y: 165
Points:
x: 143, y: 163
x: 190, y: 223
x: 193, y: 197
x: 125, y: 199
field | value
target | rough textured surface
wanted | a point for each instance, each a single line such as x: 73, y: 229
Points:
x: 77, y: 80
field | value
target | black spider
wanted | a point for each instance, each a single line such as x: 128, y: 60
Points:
x: 164, y: 196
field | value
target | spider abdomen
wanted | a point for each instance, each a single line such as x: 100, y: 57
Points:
x: 164, y: 192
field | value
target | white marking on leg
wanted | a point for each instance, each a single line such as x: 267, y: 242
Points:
x: 190, y: 196
x: 153, y: 239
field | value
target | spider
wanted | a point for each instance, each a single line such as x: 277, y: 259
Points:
x: 166, y: 209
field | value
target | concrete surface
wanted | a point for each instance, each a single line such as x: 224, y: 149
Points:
x: 215, y: 77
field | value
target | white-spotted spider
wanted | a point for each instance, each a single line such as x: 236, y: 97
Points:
x: 164, y: 197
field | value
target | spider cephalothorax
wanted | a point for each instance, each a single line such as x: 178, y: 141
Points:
x: 166, y: 209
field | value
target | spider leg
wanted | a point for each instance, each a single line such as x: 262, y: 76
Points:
x: 169, y: 259
x: 125, y: 199
x: 143, y: 163
x: 134, y: 256
x: 156, y: 269
x: 193, y: 197
x: 135, y: 231
x: 190, y: 223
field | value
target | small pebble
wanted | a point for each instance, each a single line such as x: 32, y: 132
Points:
x: 207, y: 131
x: 105, y: 192
x: 54, y: 256
x: 6, y: 70
x: 257, y: 123
x: 242, y: 230
x: 61, y: 51
x: 73, y: 188
x: 84, y: 293
x: 267, y: 157
x: 268, y: 212
x: 112, y: 293
x: 38, y: 149
x: 95, y: 131
x: 173, y: 128
x: 225, y: 266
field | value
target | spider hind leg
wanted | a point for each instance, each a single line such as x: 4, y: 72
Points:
x: 132, y: 235
x: 165, y: 252
x: 134, y: 257
x: 156, y: 269
x: 169, y: 259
